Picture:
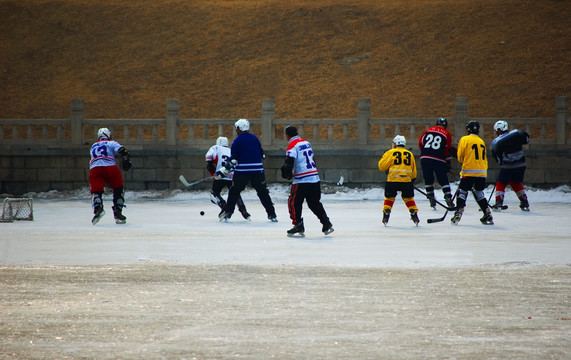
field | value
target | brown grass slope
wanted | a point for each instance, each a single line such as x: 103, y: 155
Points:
x: 315, y: 58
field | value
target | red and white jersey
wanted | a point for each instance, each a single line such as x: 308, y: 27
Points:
x: 218, y: 154
x: 304, y: 168
x: 103, y: 153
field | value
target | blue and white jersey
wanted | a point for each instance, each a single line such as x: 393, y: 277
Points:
x: 507, y: 148
x: 103, y: 153
x: 218, y: 155
x: 247, y: 151
x: 304, y: 168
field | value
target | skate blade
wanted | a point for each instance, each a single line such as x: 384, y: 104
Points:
x: 298, y: 235
x: 97, y: 218
x: 118, y: 221
x: 329, y: 231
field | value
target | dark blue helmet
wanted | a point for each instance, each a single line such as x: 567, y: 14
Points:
x: 442, y: 122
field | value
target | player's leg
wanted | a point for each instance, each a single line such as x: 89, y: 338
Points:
x: 115, y: 181
x: 390, y: 196
x: 465, y: 185
x: 97, y: 186
x: 478, y: 192
x: 238, y: 185
x: 501, y: 184
x: 313, y: 197
x: 517, y: 185
x: 259, y: 184
x: 441, y: 171
x: 428, y: 170
x: 217, y: 186
x: 407, y: 194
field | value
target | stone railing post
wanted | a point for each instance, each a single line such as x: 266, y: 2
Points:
x: 460, y: 117
x: 173, y: 107
x: 363, y: 116
x: 561, y: 113
x: 268, y: 116
x: 77, y: 116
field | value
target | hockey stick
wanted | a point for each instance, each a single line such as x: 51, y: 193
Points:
x: 432, y: 197
x: 440, y: 219
x: 187, y: 184
x: 338, y: 183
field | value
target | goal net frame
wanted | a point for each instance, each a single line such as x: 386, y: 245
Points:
x: 17, y: 209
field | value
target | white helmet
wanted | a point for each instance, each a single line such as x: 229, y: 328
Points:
x: 222, y: 141
x: 501, y: 125
x: 104, y: 133
x: 399, y: 140
x: 242, y: 125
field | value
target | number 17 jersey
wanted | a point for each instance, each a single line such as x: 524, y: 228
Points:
x: 304, y: 168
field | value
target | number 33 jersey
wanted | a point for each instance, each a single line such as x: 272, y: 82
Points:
x: 399, y: 164
x: 304, y: 168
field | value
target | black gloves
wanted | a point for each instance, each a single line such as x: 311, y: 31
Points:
x: 287, y: 168
x: 126, y: 164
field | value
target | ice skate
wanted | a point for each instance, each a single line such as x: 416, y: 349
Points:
x: 245, y: 214
x: 487, y: 219
x: 386, y: 216
x: 99, y: 212
x: 524, y: 204
x: 327, y: 227
x: 273, y: 218
x: 457, y: 216
x: 224, y: 216
x: 119, y: 217
x: 432, y: 202
x: 414, y: 217
x: 498, y: 206
x: 298, y: 230
x: 448, y: 199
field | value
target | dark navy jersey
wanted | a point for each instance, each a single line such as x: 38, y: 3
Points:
x: 247, y: 151
x: 435, y: 143
x: 507, y: 148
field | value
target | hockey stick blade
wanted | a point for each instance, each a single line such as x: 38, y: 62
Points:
x: 341, y: 180
x: 187, y: 184
x: 436, y: 201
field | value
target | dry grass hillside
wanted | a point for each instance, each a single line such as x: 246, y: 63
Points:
x: 315, y: 58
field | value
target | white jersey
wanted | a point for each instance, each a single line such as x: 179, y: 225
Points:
x: 103, y: 153
x: 218, y: 155
x: 304, y: 168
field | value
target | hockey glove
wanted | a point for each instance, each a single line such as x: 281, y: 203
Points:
x: 210, y: 167
x: 287, y: 168
x: 226, y: 169
x: 126, y: 164
x: 286, y: 173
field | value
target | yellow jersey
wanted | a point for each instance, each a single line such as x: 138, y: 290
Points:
x: 472, y: 155
x: 400, y: 164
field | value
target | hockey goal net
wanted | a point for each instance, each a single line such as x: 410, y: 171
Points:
x: 17, y: 209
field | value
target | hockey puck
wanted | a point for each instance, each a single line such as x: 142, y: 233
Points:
x: 202, y: 213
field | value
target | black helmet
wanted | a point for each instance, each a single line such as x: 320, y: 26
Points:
x: 473, y: 127
x: 442, y: 122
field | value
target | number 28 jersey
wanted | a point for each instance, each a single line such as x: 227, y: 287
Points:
x: 435, y: 144
x: 304, y: 168
x: 472, y: 155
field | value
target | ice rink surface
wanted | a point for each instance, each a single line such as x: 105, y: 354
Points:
x: 168, y: 227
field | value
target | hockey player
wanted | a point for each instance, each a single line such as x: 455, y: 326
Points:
x: 246, y: 161
x: 215, y: 157
x: 103, y: 170
x: 508, y: 152
x: 472, y: 155
x: 435, y: 159
x: 400, y: 167
x: 300, y: 165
